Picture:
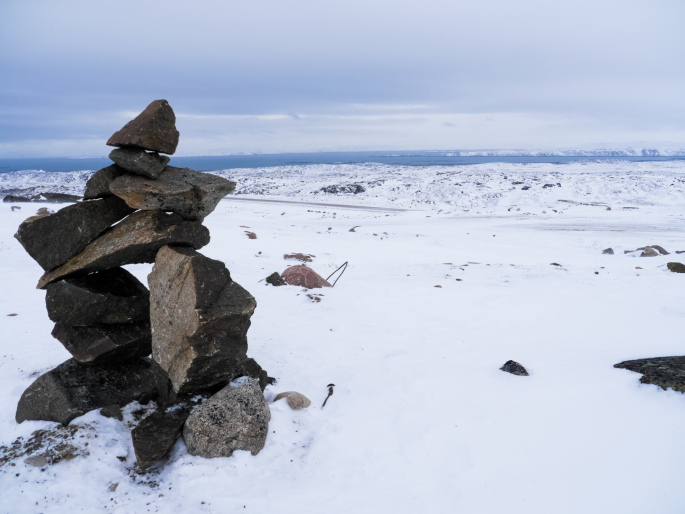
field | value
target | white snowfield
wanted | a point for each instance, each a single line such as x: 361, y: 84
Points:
x: 421, y: 419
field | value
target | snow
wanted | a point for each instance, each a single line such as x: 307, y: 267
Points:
x: 421, y: 419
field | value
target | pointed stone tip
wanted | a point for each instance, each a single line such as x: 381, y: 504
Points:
x: 153, y: 129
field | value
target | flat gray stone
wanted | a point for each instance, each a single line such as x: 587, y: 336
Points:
x: 190, y: 193
x: 109, y: 296
x: 136, y: 239
x: 53, y: 239
x: 140, y: 162
x: 235, y: 418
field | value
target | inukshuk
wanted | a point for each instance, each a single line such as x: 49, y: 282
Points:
x: 194, y: 319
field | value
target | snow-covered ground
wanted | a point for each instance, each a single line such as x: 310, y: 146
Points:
x: 421, y: 419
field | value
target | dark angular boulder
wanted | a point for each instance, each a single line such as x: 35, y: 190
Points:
x: 200, y: 319
x: 105, y: 343
x: 53, y: 239
x: 676, y: 267
x: 191, y: 194
x: 153, y: 129
x: 666, y: 372
x: 72, y: 389
x: 98, y: 184
x: 140, y: 162
x: 156, y: 435
x: 275, y: 279
x: 134, y: 240
x: 514, y: 368
x: 109, y: 296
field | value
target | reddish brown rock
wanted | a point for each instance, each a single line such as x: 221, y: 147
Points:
x: 189, y: 193
x: 104, y: 343
x: 134, y: 240
x: 98, y: 184
x: 53, y: 239
x: 153, y: 129
x: 304, y: 277
x: 200, y: 318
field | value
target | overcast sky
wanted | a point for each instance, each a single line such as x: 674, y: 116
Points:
x: 322, y: 75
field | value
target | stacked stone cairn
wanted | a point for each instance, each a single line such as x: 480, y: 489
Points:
x: 193, y: 320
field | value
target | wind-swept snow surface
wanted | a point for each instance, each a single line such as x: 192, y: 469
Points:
x: 421, y: 419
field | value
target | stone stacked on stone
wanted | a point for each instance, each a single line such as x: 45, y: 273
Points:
x: 194, y: 319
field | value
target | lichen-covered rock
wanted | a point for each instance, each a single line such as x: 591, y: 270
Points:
x: 304, y: 276
x: 105, y: 343
x: 98, y: 184
x: 153, y: 129
x: 235, y: 418
x: 134, y: 240
x: 109, y: 296
x: 200, y: 318
x: 156, y: 435
x: 514, y: 368
x: 191, y: 194
x: 72, y: 389
x: 53, y: 239
x: 296, y: 401
x: 666, y: 372
x: 135, y: 160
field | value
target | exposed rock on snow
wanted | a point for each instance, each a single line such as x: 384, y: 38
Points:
x: 156, y: 435
x: 296, y: 401
x: 303, y: 276
x: 608, y: 251
x: 345, y: 189
x: 109, y: 296
x: 666, y: 372
x: 153, y: 129
x: 299, y: 256
x: 676, y: 267
x: 55, y: 238
x: 134, y: 240
x: 140, y: 162
x: 275, y: 279
x: 200, y: 319
x: 98, y: 185
x: 514, y: 368
x: 191, y: 194
x: 105, y: 343
x: 235, y: 418
x: 72, y: 389
x: 112, y: 411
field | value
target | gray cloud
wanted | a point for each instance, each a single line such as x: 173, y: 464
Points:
x: 383, y: 74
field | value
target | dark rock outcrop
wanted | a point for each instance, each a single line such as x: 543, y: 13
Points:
x: 72, y: 389
x: 98, y: 185
x: 105, y: 343
x: 200, y: 319
x: 608, y: 251
x: 514, y: 368
x: 139, y: 161
x: 303, y: 276
x: 666, y: 372
x: 235, y: 418
x: 53, y: 239
x: 15, y: 199
x: 156, y: 435
x: 110, y: 296
x: 153, y: 129
x: 676, y: 267
x: 189, y: 193
x: 134, y: 240
x: 275, y: 279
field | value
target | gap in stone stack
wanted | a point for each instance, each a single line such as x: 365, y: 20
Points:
x: 193, y: 321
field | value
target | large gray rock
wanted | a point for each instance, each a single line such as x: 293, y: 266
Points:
x: 153, y: 129
x: 134, y: 240
x: 235, y: 418
x: 72, y: 389
x: 200, y: 319
x: 139, y: 161
x: 110, y: 296
x: 666, y: 372
x: 98, y: 184
x: 296, y: 401
x: 53, y: 239
x: 156, y: 435
x: 189, y: 193
x: 105, y: 343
